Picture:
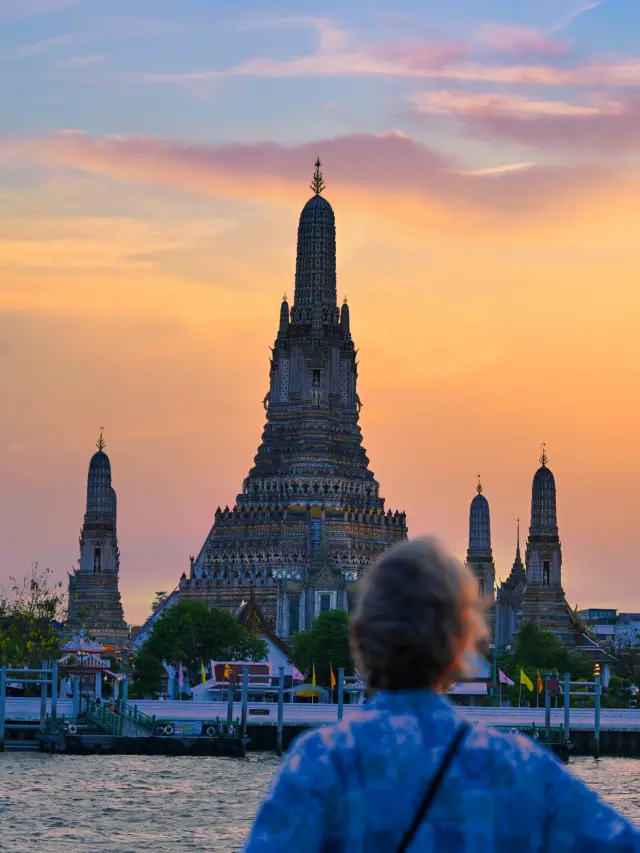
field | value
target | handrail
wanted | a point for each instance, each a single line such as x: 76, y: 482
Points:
x: 133, y: 715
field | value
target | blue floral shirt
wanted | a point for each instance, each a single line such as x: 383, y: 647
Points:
x: 356, y: 786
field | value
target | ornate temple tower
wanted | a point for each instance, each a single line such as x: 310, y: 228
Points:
x: 479, y: 553
x: 94, y: 599
x: 544, y: 600
x: 509, y: 597
x: 310, y: 517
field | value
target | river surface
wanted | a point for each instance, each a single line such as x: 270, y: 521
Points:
x: 140, y: 804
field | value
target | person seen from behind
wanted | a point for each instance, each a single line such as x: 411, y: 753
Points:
x: 406, y: 773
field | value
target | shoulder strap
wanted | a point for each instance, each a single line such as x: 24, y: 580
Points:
x: 434, y: 787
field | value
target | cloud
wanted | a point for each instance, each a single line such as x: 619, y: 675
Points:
x: 11, y: 9
x: 515, y: 40
x: 473, y: 104
x: 565, y: 22
x: 39, y: 47
x: 424, y: 60
x: 498, y: 170
x: 601, y: 124
x: 80, y: 61
x: 403, y: 167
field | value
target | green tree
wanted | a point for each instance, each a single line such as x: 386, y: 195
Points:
x: 536, y: 650
x: 325, y: 644
x: 158, y: 600
x: 28, y: 613
x: 147, y: 674
x: 192, y: 634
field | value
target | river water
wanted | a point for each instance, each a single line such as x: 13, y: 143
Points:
x: 138, y: 804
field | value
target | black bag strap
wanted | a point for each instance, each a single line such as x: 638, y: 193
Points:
x: 434, y: 787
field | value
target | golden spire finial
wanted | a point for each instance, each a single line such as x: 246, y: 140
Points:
x: 479, y: 486
x: 284, y: 298
x: 317, y: 184
x: 345, y: 300
x: 100, y: 443
x: 543, y: 457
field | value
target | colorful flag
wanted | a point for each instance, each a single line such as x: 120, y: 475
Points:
x: 504, y: 679
x: 524, y: 679
x: 333, y: 678
x: 227, y: 672
x: 540, y: 685
x: 313, y: 676
x: 204, y: 674
x: 180, y: 675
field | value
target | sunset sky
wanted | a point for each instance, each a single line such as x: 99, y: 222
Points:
x: 483, y: 161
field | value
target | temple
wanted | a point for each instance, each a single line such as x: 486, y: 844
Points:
x: 534, y: 594
x: 479, y: 553
x: 309, y: 518
x: 94, y: 598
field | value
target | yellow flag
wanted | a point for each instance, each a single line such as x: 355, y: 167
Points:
x: 333, y: 678
x: 204, y: 675
x: 524, y: 679
x: 227, y: 671
x: 540, y: 687
x: 313, y: 676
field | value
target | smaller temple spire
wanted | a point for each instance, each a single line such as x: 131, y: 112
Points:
x: 543, y: 456
x: 101, y: 443
x: 518, y: 542
x: 479, y: 486
x: 317, y: 184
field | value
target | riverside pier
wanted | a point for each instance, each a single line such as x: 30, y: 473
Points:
x: 161, y: 727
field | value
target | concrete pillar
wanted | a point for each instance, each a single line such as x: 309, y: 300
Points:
x: 3, y: 699
x: 76, y: 698
x: 340, y: 692
x: 98, y: 687
x: 116, y: 689
x: 125, y: 688
x: 245, y: 696
x: 280, y: 710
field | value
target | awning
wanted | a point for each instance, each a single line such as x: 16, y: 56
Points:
x: 468, y: 688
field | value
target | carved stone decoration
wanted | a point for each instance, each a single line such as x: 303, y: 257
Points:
x: 310, y: 518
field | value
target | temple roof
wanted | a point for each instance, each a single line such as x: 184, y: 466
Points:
x: 317, y: 202
x: 81, y: 643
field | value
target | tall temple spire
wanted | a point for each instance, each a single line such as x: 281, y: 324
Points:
x: 310, y: 517
x: 479, y: 553
x: 543, y: 456
x: 517, y: 569
x: 317, y: 184
x: 315, y: 281
x: 543, y: 500
x: 94, y: 599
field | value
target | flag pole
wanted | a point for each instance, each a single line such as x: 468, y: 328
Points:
x: 520, y: 696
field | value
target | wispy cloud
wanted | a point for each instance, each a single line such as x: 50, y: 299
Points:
x: 80, y: 61
x: 462, y: 103
x: 39, y: 47
x: 403, y: 166
x: 423, y: 60
x: 519, y: 41
x: 498, y: 170
x: 608, y: 126
x: 11, y: 9
x: 565, y: 22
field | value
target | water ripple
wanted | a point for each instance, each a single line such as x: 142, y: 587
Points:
x: 131, y: 804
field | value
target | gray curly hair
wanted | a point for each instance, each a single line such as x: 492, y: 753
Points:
x: 418, y: 610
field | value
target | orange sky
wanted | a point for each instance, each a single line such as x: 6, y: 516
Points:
x: 478, y: 339
x: 484, y: 172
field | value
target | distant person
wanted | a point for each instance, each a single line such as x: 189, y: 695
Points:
x: 406, y: 772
